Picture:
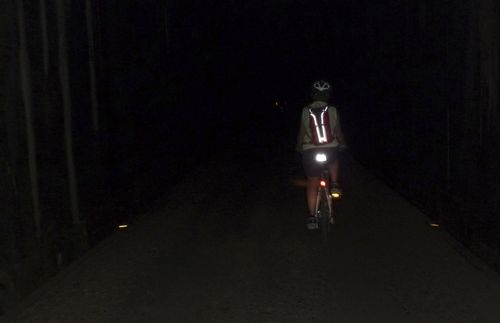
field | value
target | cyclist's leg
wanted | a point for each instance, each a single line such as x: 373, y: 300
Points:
x: 333, y: 168
x: 313, y: 173
x: 311, y: 193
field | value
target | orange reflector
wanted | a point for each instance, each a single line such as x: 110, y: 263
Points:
x: 336, y: 195
x: 322, y: 183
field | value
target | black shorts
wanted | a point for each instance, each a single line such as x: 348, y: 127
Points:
x: 311, y: 167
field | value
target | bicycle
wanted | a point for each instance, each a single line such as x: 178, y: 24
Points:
x: 324, y: 200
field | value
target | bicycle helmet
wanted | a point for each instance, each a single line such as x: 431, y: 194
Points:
x: 321, y: 90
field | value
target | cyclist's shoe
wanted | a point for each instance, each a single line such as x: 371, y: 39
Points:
x: 335, y: 190
x: 332, y: 220
x: 312, y: 223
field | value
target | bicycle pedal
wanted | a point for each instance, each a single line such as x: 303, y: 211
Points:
x: 312, y: 226
x: 312, y: 223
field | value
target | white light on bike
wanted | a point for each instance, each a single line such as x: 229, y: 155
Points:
x: 123, y: 226
x: 322, y: 183
x: 321, y: 158
x: 335, y: 195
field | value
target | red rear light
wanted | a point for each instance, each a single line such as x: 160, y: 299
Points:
x: 322, y: 183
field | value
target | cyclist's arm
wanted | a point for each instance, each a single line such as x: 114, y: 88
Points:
x: 339, y: 134
x: 300, y: 136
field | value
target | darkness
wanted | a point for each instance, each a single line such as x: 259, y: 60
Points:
x: 415, y: 87
x: 220, y: 67
x: 179, y: 82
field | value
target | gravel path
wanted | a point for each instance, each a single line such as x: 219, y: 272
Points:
x: 203, y: 258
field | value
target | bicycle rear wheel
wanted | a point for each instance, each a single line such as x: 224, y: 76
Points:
x: 324, y: 217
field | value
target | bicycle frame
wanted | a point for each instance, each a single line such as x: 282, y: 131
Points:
x: 324, y: 191
x: 324, y: 200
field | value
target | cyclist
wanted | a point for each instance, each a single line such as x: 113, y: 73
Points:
x: 329, y: 143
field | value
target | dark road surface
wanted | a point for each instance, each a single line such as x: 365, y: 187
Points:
x: 229, y: 245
